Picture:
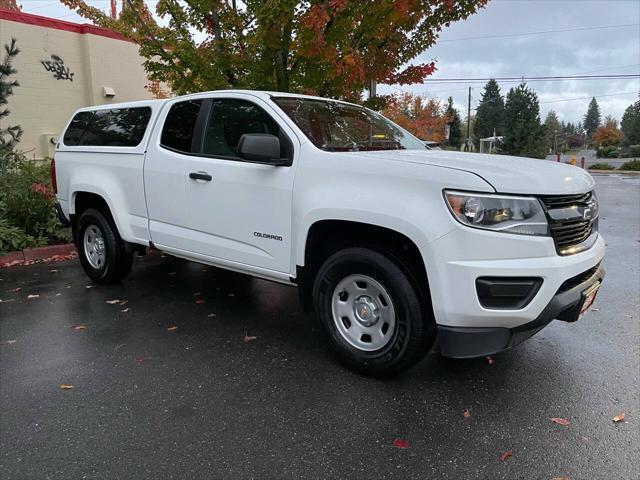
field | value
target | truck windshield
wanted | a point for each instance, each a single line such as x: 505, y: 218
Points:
x: 340, y: 127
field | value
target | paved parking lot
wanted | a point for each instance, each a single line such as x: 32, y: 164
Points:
x: 165, y: 387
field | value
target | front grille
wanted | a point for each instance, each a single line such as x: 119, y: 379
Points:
x: 562, y: 201
x: 578, y: 226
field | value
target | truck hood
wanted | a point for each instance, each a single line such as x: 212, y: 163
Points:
x: 506, y: 174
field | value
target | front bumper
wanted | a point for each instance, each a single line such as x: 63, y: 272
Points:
x: 458, y: 259
x: 469, y: 342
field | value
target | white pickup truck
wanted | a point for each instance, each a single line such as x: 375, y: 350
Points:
x: 398, y: 249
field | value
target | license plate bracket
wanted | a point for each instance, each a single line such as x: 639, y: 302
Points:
x: 588, y: 297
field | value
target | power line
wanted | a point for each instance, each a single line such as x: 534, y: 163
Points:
x: 40, y: 6
x: 540, y: 32
x: 535, y: 78
x: 608, y: 68
x: 589, y: 98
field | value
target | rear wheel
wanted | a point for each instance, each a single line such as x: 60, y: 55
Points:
x: 103, y: 254
x: 372, y: 312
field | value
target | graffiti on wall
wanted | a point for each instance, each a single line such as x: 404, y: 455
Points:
x: 56, y: 66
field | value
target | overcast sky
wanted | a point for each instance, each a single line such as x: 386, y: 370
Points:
x: 594, y: 51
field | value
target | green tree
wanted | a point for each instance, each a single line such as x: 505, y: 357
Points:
x: 592, y: 118
x: 490, y: 112
x: 553, y: 132
x: 455, y: 125
x: 9, y: 135
x: 524, y: 135
x: 630, y: 124
x: 327, y: 47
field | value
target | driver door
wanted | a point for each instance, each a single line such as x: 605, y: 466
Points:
x: 240, y: 212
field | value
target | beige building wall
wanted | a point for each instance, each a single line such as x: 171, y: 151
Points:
x: 86, y: 68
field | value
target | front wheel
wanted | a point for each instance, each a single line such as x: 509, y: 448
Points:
x: 103, y: 254
x: 372, y: 312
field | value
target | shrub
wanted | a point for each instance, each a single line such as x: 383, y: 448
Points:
x: 601, y: 166
x: 631, y: 165
x: 27, y: 206
x: 13, y: 238
x: 607, y: 152
x: 634, y: 150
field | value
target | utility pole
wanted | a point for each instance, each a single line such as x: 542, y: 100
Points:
x: 466, y: 147
x: 372, y: 89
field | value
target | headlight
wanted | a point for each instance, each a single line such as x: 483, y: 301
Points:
x: 520, y: 215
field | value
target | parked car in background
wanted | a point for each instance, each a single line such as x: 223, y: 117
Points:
x: 398, y: 249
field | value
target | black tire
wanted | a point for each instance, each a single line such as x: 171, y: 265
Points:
x: 414, y: 331
x: 118, y: 258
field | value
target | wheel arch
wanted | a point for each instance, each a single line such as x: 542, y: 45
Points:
x: 327, y: 236
x: 82, y: 200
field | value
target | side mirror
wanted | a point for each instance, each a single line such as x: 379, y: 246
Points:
x: 261, y: 148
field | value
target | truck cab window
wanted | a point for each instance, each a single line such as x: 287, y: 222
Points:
x: 177, y: 132
x: 229, y: 120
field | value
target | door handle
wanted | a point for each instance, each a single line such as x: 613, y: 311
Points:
x: 200, y: 176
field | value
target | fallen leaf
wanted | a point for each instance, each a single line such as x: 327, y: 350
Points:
x: 33, y: 296
x: 248, y: 338
x: 466, y: 413
x: 90, y: 286
x: 172, y: 328
x: 125, y: 310
x: 618, y: 418
x: 8, y: 342
x: 211, y: 315
x: 66, y: 386
x: 560, y: 478
x: 200, y: 301
x: 561, y: 421
x: 401, y: 443
x: 16, y: 290
x: 53, y: 270
x: 113, y: 302
x: 595, y: 309
x: 7, y: 301
x: 123, y: 302
x: 197, y: 294
x: 79, y: 327
x: 58, y: 294
x: 628, y: 316
x: 231, y: 295
x: 505, y: 455
x: 172, y: 273
x: 12, y: 264
x: 489, y: 360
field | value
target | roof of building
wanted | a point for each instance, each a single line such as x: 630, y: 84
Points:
x: 46, y: 22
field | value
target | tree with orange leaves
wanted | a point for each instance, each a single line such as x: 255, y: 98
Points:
x: 422, y: 117
x: 608, y: 135
x: 325, y: 47
x: 10, y: 5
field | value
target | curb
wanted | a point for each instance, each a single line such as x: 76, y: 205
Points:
x: 611, y: 172
x: 29, y: 256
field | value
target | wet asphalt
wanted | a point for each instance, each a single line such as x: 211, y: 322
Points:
x: 150, y: 401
